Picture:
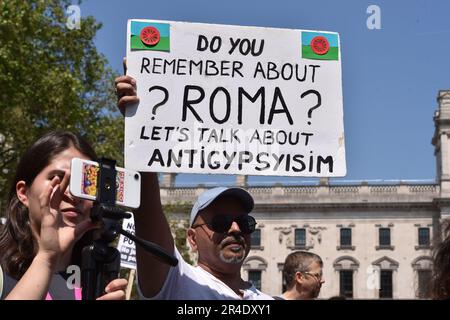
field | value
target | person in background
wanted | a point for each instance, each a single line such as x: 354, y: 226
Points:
x: 302, y: 273
x: 440, y: 287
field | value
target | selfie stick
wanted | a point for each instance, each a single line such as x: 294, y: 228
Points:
x: 101, y: 262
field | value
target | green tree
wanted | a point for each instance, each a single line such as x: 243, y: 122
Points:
x: 178, y: 218
x: 52, y: 77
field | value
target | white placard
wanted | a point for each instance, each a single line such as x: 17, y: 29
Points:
x: 126, y: 246
x: 234, y: 100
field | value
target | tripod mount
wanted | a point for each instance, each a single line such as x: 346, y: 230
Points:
x: 101, y: 262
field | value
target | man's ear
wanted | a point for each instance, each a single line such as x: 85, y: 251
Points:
x: 298, y: 277
x: 21, y: 192
x: 192, y: 238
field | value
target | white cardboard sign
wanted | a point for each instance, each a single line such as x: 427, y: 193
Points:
x: 126, y: 246
x: 234, y: 100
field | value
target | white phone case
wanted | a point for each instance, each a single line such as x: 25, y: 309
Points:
x: 83, y: 183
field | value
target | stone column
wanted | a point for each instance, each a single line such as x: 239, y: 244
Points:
x: 441, y: 142
x: 168, y: 180
x: 241, y: 180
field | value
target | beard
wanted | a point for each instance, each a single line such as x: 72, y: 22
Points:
x: 235, y: 258
x: 316, y: 291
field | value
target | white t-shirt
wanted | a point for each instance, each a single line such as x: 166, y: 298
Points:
x: 186, y: 282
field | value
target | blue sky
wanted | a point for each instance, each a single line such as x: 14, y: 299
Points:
x: 391, y: 76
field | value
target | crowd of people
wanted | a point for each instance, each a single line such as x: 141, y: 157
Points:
x: 46, y: 228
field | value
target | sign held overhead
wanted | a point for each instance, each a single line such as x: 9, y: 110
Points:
x: 234, y: 100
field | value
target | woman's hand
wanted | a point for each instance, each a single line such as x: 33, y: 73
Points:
x: 56, y: 237
x: 115, y: 290
x: 48, y: 239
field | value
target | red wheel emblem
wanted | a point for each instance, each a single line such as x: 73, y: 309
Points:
x: 320, y: 45
x: 150, y: 36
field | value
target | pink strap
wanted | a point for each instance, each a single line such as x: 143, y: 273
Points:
x: 77, y: 292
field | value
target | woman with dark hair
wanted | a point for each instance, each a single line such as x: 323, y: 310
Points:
x: 45, y: 226
x: 441, y: 265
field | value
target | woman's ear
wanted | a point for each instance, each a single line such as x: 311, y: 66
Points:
x: 21, y: 192
x: 191, y: 236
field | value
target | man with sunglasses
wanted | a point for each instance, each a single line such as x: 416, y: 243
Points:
x: 220, y: 229
x: 302, y: 273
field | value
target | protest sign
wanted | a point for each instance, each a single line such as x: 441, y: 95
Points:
x: 126, y: 246
x: 234, y: 100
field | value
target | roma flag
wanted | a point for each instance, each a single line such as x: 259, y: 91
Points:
x: 320, y: 45
x: 150, y: 36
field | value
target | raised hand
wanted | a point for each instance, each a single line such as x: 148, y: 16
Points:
x: 125, y: 89
x: 126, y: 92
x: 56, y: 236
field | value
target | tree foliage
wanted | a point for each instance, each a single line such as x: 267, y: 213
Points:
x: 178, y: 218
x: 52, y: 77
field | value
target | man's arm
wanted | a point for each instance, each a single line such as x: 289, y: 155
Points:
x: 150, y: 222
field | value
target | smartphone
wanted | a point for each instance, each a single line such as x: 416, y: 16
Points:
x: 83, y: 183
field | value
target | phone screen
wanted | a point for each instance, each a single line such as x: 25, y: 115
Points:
x: 89, y: 181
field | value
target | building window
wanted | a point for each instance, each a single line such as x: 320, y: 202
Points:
x: 424, y: 237
x: 424, y: 280
x: 386, y: 284
x: 346, y: 237
x: 346, y: 283
x: 254, y: 276
x: 256, y: 238
x: 385, y: 237
x: 300, y: 237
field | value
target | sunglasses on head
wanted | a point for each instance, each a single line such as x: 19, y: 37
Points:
x: 222, y: 223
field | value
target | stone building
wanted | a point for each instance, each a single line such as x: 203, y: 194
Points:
x: 375, y: 239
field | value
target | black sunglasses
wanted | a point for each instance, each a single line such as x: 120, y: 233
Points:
x: 222, y: 223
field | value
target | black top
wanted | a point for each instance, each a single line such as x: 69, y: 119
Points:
x: 58, y: 289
